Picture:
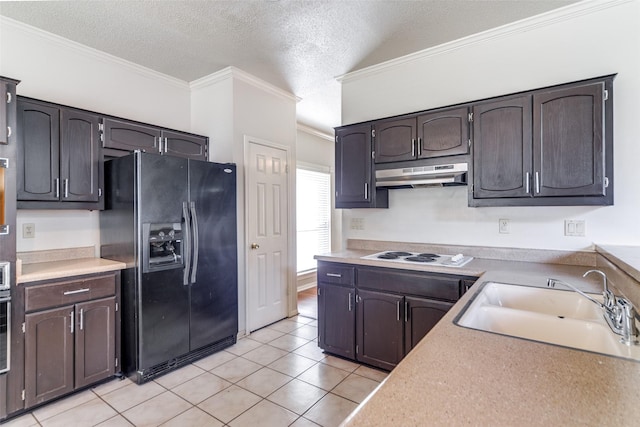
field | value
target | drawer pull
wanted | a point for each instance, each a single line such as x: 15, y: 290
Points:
x: 77, y: 291
x: 334, y: 275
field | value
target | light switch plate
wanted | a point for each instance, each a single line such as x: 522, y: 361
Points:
x: 574, y: 227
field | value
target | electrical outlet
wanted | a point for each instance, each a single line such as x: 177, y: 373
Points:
x: 504, y: 226
x: 357, y: 224
x: 574, y: 227
x: 28, y: 230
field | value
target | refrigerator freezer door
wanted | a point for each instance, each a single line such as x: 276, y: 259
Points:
x: 214, y: 293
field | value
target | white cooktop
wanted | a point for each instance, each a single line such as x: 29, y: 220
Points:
x: 420, y: 258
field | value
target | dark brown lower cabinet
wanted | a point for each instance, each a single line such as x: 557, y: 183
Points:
x: 336, y: 319
x: 49, y: 354
x: 421, y: 315
x: 68, y: 348
x: 379, y: 329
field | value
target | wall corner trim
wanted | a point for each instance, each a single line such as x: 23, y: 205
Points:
x: 544, y: 19
x: 236, y: 73
x: 313, y: 131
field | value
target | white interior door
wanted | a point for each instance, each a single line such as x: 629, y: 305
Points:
x: 267, y: 207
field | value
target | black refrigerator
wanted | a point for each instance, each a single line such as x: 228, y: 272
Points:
x: 173, y: 222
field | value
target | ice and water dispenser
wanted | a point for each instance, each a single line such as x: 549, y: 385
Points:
x: 162, y: 246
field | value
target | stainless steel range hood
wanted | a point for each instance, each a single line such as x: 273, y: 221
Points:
x: 444, y: 174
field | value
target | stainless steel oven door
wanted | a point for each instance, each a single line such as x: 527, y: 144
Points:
x: 5, y: 332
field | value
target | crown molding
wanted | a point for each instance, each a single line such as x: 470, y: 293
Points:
x: 237, y: 73
x: 565, y: 13
x: 313, y: 131
x: 92, y: 53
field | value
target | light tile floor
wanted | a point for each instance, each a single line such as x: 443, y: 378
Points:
x: 278, y: 376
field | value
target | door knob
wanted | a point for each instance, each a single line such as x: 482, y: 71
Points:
x: 255, y: 246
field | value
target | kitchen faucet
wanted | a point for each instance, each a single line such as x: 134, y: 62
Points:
x: 619, y: 313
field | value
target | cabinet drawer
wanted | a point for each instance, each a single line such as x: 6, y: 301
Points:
x: 68, y: 292
x: 404, y: 282
x: 335, y: 273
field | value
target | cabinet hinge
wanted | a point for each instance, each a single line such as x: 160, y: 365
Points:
x: 318, y: 291
x: 470, y: 116
x: 102, y: 137
x: 101, y: 127
x: 356, y: 349
x: 24, y: 328
x: 116, y: 310
x: 23, y: 395
x: 469, y: 142
x: 116, y: 362
x: 606, y: 182
x: 8, y: 97
x: 336, y: 138
x: 606, y: 94
x: 373, y: 133
x: 373, y: 155
x: 99, y: 192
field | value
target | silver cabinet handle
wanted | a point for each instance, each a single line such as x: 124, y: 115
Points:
x: 419, y: 147
x: 57, y: 184
x: 406, y: 311
x: 8, y: 131
x: 77, y: 291
x: 350, y: 304
x: 160, y: 144
x: 413, y: 147
x: 366, y: 191
x: 398, y: 311
x: 537, y: 182
x: 334, y: 275
x: 166, y: 144
x: 65, y: 186
x: 81, y: 319
x: 73, y: 320
x: 526, y: 182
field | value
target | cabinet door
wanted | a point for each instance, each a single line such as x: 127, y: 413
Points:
x: 336, y: 319
x: 183, y: 145
x: 420, y: 316
x: 48, y: 354
x: 129, y: 136
x: 502, y: 148
x: 95, y: 341
x: 4, y: 100
x: 443, y: 133
x: 38, y: 151
x: 379, y: 329
x: 568, y: 141
x: 395, y: 140
x: 79, y: 156
x: 353, y: 167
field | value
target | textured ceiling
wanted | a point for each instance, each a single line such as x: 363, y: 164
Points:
x: 299, y: 46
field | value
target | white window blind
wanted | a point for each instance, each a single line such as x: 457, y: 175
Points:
x: 313, y: 215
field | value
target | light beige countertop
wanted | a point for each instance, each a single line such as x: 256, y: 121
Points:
x: 626, y: 257
x: 460, y: 376
x: 60, y: 263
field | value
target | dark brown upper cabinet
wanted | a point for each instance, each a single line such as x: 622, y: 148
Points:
x: 502, y: 138
x: 58, y: 157
x: 435, y: 134
x: 552, y: 146
x: 568, y: 141
x: 120, y: 137
x: 355, y: 182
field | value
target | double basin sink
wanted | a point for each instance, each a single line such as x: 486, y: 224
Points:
x: 552, y: 316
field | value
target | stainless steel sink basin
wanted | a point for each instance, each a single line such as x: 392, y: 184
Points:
x: 551, y: 316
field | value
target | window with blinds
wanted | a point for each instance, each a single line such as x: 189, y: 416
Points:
x: 313, y: 215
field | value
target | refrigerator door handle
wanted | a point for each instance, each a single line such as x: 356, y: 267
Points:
x: 186, y: 244
x: 194, y: 229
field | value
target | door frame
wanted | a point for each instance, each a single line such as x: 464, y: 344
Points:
x: 292, y: 301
